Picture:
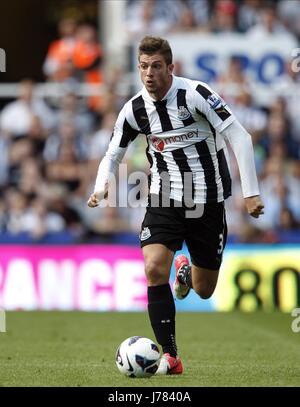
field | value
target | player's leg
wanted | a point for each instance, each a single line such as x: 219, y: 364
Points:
x: 206, y: 249
x: 161, y: 236
x: 204, y: 281
x: 158, y: 260
x: 205, y: 267
x: 161, y: 307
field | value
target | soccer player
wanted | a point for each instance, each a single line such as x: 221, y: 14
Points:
x: 186, y: 124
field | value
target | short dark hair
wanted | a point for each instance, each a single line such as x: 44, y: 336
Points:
x: 156, y: 45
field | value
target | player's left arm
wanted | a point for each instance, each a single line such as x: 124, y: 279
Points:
x: 219, y: 115
x: 241, y: 143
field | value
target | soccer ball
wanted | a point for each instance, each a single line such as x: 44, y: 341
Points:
x: 138, y: 357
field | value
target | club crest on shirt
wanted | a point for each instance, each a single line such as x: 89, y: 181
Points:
x: 183, y: 113
x: 145, y: 234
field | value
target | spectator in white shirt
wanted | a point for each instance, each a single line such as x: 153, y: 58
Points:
x: 269, y: 26
x: 16, y: 117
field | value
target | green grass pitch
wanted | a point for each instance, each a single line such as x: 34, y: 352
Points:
x: 217, y: 349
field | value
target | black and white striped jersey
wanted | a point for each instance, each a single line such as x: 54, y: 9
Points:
x: 185, y: 141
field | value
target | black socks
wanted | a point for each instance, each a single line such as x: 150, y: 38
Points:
x: 161, y: 309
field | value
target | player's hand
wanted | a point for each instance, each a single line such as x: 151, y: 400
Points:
x: 254, y: 206
x: 95, y: 198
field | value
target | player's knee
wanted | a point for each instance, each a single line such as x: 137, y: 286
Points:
x: 155, y: 272
x: 204, y: 291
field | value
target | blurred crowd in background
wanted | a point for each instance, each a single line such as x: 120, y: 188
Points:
x: 256, y: 18
x: 51, y: 147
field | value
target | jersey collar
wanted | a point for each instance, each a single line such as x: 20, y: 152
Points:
x: 168, y: 96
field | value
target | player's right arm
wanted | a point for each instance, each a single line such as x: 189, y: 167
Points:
x: 124, y: 132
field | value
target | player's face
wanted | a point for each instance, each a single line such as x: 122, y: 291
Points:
x: 156, y: 75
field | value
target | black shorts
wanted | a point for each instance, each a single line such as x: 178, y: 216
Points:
x: 205, y: 235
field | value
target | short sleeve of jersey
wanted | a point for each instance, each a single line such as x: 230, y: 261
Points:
x: 212, y: 106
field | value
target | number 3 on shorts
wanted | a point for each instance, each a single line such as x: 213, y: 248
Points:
x: 221, y: 243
